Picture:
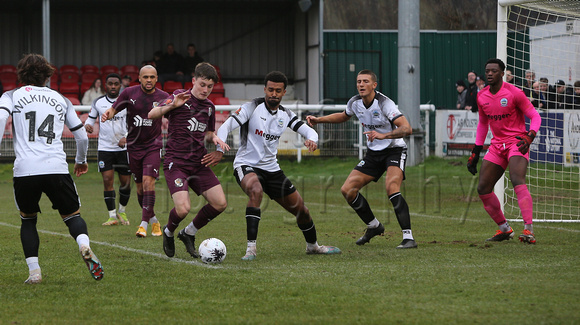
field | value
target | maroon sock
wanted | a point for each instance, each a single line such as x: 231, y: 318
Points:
x: 148, y: 205
x: 205, y: 215
x: 173, y: 221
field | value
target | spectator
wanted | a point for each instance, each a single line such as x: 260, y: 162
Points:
x: 125, y: 82
x: 575, y: 102
x: 93, y: 93
x: 191, y: 60
x: 471, y: 98
x: 171, y: 66
x: 527, y: 85
x: 509, y: 77
x: 461, y: 94
x: 536, y: 97
x: 558, y: 98
x: 480, y: 83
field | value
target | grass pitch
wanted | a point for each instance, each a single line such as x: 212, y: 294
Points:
x: 454, y: 277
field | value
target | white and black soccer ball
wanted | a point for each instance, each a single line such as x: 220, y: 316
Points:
x: 212, y: 250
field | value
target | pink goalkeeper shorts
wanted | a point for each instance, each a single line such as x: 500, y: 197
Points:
x: 500, y: 153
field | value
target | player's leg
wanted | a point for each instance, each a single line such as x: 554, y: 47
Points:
x: 250, y: 184
x: 122, y: 168
x: 281, y: 190
x: 355, y: 181
x: 489, y: 174
x: 393, y: 181
x: 110, y: 197
x: 27, y: 195
x: 62, y: 193
x: 181, y: 208
x: 518, y: 166
x: 151, y: 164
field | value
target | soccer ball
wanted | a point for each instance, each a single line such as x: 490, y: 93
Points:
x: 212, y: 250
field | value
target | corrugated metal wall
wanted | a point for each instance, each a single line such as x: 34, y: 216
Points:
x: 245, y: 44
x: 445, y: 58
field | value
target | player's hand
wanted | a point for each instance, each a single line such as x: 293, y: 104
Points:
x: 212, y: 158
x: 89, y: 128
x: 181, y: 98
x: 311, y: 145
x: 217, y: 141
x: 372, y: 135
x: 525, y: 141
x: 311, y: 120
x: 81, y: 169
x: 108, y: 114
x: 122, y: 143
x: 474, y: 159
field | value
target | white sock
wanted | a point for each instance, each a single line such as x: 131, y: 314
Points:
x: 375, y: 223
x: 113, y: 213
x: 83, y: 240
x: 144, y: 224
x: 190, y: 229
x: 504, y: 227
x: 310, y: 246
x: 168, y: 233
x: 32, y: 263
x: 153, y: 220
x: 251, y: 247
x: 407, y: 234
x: 121, y: 208
x: 529, y: 227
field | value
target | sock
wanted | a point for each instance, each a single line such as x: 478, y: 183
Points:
x: 401, y: 210
x: 109, y: 199
x: 153, y: 219
x: 124, y: 195
x: 191, y: 229
x: 140, y: 200
x: 362, y: 208
x: 148, y: 205
x: 529, y: 227
x: 76, y: 225
x: 375, y: 223
x: 173, y: 221
x: 83, y: 240
x: 144, y: 224
x: 309, y: 231
x: 407, y: 234
x: 312, y: 246
x: 525, y: 202
x: 113, y: 213
x: 122, y: 208
x: 493, y: 208
x: 251, y: 247
x: 32, y: 263
x: 205, y: 215
x: 504, y: 227
x: 252, y: 222
x: 168, y: 232
x: 29, y: 236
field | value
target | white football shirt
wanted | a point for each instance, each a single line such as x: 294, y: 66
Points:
x: 379, y: 117
x: 260, y: 133
x: 39, y: 115
x: 110, y: 131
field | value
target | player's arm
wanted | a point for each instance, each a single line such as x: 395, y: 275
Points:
x: 213, y: 158
x: 75, y: 125
x: 481, y: 133
x: 169, y: 104
x: 91, y: 119
x: 4, y: 114
x: 332, y: 118
x: 535, y: 122
x: 304, y: 130
x: 403, y: 129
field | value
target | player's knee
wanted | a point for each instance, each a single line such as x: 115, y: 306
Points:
x: 348, y: 192
x: 182, y: 209
x: 220, y: 206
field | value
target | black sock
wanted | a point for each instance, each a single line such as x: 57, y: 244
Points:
x: 109, y: 200
x: 362, y: 208
x: 309, y: 231
x: 124, y: 195
x: 252, y: 222
x: 401, y: 210
x: 76, y: 225
x: 29, y: 237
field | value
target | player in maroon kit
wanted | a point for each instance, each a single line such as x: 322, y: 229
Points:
x: 187, y: 164
x: 144, y: 141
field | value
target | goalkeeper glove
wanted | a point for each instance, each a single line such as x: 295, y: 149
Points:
x: 525, y: 141
x: 474, y: 159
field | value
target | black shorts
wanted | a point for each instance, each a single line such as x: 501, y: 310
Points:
x: 116, y: 160
x: 60, y: 189
x: 375, y: 163
x: 275, y: 184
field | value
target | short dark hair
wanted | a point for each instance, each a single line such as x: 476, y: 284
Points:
x: 34, y: 69
x: 205, y: 70
x: 369, y: 72
x: 113, y: 75
x: 276, y: 76
x: 497, y: 61
x: 576, y: 83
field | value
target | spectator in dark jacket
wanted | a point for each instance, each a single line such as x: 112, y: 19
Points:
x: 171, y: 65
x: 471, y: 98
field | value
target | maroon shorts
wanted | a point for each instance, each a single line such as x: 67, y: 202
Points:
x: 145, y: 163
x: 198, y: 178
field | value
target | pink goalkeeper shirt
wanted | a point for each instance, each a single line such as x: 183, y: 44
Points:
x: 504, y: 112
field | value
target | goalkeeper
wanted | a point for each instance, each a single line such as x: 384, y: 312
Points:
x: 502, y: 107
